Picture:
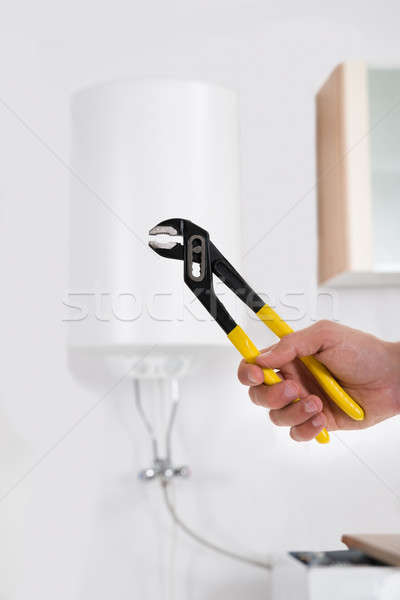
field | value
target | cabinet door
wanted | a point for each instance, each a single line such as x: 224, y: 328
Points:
x: 358, y: 170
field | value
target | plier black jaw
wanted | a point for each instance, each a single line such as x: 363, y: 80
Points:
x: 199, y: 256
x: 168, y: 249
x: 191, y: 246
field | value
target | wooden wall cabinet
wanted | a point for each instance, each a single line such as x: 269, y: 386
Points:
x: 358, y: 176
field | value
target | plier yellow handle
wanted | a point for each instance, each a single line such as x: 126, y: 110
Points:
x: 202, y: 260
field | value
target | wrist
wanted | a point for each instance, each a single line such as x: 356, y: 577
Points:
x: 394, y: 351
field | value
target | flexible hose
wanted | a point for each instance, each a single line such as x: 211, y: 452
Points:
x: 198, y: 538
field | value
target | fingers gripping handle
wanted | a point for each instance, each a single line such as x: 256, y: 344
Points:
x: 250, y: 352
x: 333, y: 389
x: 326, y: 380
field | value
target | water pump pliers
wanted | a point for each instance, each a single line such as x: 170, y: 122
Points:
x: 201, y: 260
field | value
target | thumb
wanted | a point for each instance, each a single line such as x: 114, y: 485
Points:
x: 305, y: 342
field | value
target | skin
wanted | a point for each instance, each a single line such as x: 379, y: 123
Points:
x: 366, y: 367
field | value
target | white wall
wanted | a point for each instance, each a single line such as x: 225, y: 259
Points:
x: 74, y: 521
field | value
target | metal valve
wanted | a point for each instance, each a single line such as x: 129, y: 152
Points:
x: 163, y: 469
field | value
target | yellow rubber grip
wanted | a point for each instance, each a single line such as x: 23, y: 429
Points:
x: 326, y: 380
x: 249, y: 351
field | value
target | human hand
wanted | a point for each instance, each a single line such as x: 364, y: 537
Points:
x: 366, y: 367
